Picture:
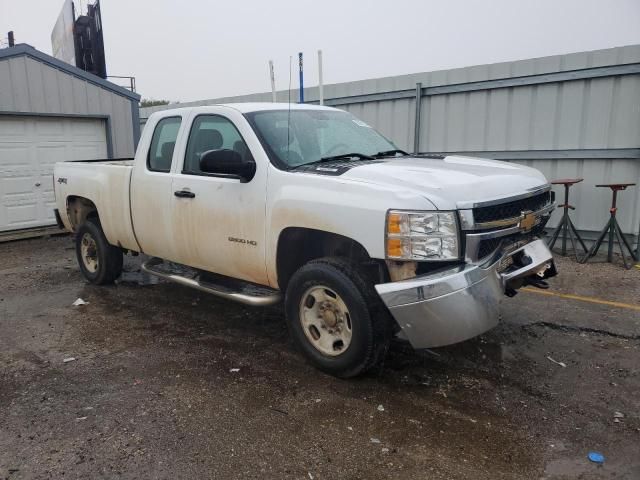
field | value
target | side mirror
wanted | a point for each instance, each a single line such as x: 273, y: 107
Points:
x: 227, y: 162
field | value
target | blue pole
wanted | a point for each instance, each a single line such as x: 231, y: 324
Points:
x: 301, y: 78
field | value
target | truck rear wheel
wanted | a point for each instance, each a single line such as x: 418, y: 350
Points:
x: 100, y: 262
x: 334, y: 317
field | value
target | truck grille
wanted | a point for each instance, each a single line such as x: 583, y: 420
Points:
x: 490, y: 245
x: 511, y: 209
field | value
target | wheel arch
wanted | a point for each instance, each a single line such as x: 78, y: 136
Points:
x: 298, y: 245
x: 79, y: 209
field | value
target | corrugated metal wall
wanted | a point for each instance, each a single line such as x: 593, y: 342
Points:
x: 31, y: 87
x: 575, y: 115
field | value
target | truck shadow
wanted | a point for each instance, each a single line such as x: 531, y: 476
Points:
x: 166, y: 312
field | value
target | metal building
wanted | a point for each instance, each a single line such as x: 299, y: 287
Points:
x: 574, y: 115
x: 51, y: 111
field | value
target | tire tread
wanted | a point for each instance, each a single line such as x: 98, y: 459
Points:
x: 378, y: 342
x: 111, y: 265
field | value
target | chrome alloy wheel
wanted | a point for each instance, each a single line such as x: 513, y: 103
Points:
x: 325, y: 320
x: 89, y: 253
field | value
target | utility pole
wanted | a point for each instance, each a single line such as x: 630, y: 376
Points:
x: 273, y: 82
x: 320, y: 86
x: 301, y: 78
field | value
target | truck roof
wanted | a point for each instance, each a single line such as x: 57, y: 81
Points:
x: 246, y: 107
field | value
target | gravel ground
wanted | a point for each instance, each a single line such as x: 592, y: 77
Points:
x: 153, y: 391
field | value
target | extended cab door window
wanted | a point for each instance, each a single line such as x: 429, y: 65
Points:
x: 163, y: 143
x: 212, y: 132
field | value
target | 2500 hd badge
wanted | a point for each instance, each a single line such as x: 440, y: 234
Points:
x: 253, y: 243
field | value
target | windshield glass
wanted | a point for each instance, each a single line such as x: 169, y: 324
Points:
x: 314, y: 134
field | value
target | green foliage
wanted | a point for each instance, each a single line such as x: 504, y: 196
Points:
x: 150, y: 102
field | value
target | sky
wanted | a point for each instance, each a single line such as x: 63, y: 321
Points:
x: 198, y: 49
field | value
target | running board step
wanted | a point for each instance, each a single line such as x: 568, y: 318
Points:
x: 218, y: 285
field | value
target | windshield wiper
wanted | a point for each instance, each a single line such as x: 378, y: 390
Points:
x: 359, y: 156
x: 391, y: 153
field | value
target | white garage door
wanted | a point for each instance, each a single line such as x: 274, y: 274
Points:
x: 29, y: 146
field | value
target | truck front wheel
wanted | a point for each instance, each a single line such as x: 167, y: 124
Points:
x: 100, y: 262
x: 334, y: 317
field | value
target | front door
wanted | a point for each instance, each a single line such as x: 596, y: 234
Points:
x: 219, y: 222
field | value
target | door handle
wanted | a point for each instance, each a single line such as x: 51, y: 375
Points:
x: 184, y: 194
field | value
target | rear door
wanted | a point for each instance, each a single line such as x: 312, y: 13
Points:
x: 151, y: 194
x: 219, y: 224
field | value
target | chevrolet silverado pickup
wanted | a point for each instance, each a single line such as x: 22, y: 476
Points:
x: 310, y: 206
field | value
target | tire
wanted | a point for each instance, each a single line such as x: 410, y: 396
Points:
x: 100, y: 262
x: 341, y: 344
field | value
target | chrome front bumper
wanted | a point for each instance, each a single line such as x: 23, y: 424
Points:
x: 462, y: 302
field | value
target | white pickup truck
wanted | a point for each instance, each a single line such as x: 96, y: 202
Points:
x: 261, y: 203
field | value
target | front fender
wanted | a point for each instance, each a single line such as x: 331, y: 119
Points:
x: 352, y: 209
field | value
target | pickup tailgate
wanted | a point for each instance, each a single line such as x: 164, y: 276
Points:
x: 104, y: 184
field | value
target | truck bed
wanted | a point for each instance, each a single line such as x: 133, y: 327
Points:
x: 126, y: 162
x: 106, y: 184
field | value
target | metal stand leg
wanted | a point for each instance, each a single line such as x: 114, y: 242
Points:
x: 634, y: 257
x: 612, y: 231
x: 568, y: 229
x: 618, y: 233
x: 615, y: 233
x: 596, y: 246
x: 554, y: 237
x: 584, y: 247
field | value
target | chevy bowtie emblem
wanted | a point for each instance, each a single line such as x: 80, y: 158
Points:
x: 528, y: 221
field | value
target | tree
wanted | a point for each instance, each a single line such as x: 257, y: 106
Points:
x: 150, y: 102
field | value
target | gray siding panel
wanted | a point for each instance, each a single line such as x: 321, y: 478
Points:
x: 80, y: 98
x: 6, y: 95
x: 625, y: 125
x: 122, y: 125
x: 52, y: 94
x: 570, y: 108
x: 67, y: 100
x: 19, y: 85
x: 35, y: 84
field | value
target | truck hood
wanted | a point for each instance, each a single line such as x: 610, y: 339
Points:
x: 450, y: 182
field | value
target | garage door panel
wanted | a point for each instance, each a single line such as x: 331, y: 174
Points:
x: 18, y: 184
x: 29, y: 148
x: 11, y: 127
x: 87, y: 131
x: 50, y: 128
x: 15, y: 156
x: 21, y: 211
x: 85, y: 152
x: 48, y: 211
x: 48, y: 154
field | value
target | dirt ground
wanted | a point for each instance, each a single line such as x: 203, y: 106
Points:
x: 153, y: 391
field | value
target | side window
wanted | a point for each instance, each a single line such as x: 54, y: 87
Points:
x: 162, y: 144
x: 211, y: 132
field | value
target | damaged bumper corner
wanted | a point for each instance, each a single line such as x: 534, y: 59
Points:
x: 459, y: 303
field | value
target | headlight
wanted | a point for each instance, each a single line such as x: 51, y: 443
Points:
x: 422, y: 236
